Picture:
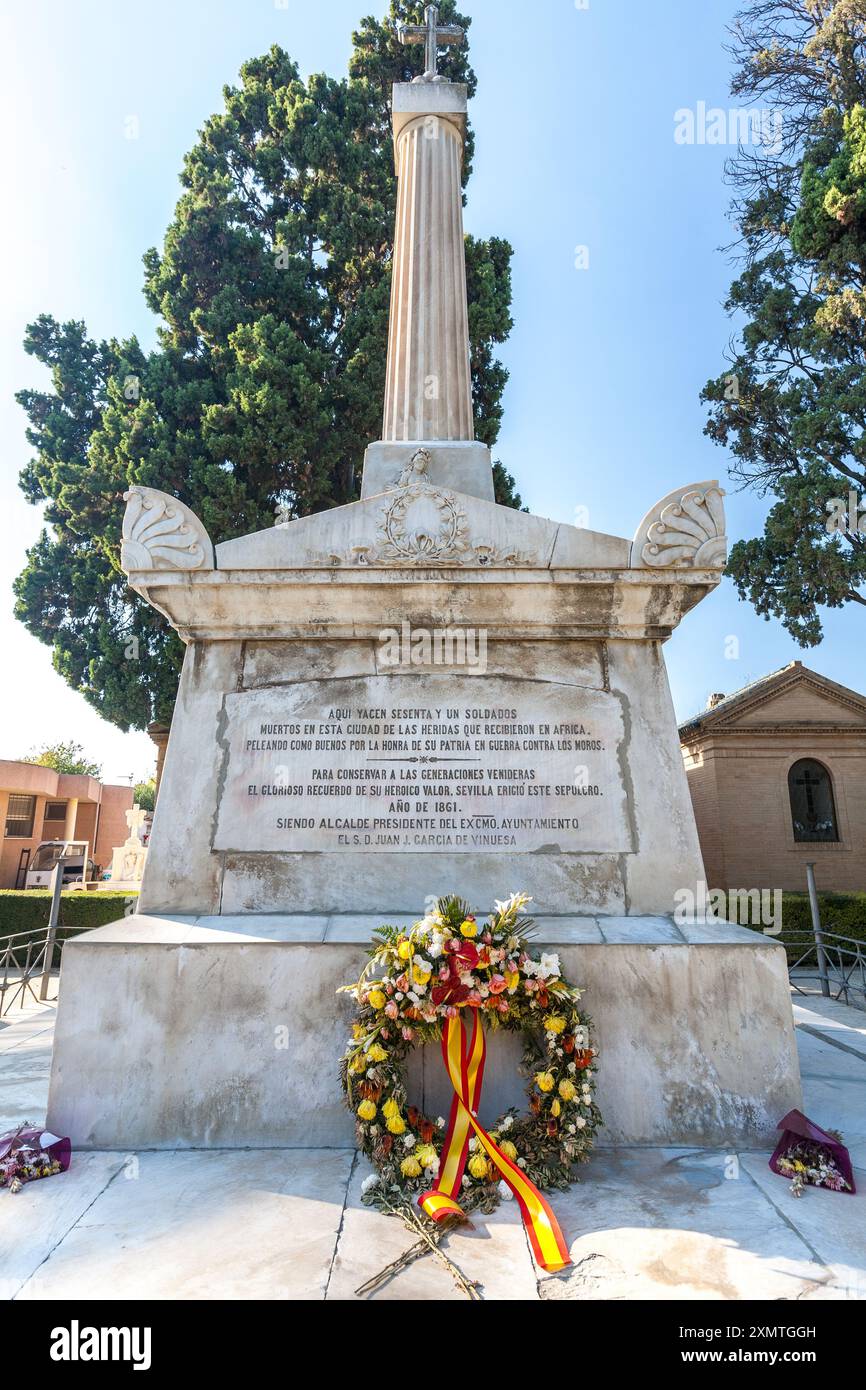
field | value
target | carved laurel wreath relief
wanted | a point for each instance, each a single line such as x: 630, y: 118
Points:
x: 425, y: 525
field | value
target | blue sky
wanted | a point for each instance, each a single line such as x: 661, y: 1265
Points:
x: 574, y: 120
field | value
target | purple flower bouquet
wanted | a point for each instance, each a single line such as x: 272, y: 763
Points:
x: 30, y: 1152
x: 810, y: 1156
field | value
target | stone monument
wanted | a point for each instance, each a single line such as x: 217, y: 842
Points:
x: 335, y: 760
x: 128, y: 860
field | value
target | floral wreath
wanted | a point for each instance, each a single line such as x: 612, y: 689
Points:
x: 444, y: 980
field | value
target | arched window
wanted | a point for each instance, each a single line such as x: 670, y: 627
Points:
x: 813, y: 810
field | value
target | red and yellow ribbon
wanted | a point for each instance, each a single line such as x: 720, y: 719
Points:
x: 464, y: 1063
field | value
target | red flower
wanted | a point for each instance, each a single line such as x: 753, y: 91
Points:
x: 568, y: 1043
x: 583, y: 1058
x: 551, y: 1128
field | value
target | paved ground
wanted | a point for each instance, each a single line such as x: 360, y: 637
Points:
x: 289, y: 1224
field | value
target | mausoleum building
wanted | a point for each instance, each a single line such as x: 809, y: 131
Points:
x: 777, y: 776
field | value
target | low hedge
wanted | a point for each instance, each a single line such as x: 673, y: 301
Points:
x: 27, y: 910
x: 841, y: 913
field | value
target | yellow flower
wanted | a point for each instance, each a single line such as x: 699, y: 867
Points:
x: 567, y: 1089
x: 396, y: 1125
x: 404, y: 950
x: 357, y: 1064
x: 410, y: 1167
x: 512, y: 978
x: 376, y: 1053
x: 367, y: 1110
x: 544, y: 1080
x: 390, y: 1108
x: 508, y: 1149
x: 426, y: 1154
x: 554, y: 1023
x: 478, y: 1166
x: 555, y: 1108
x: 469, y: 927
x: 376, y: 999
x: 420, y: 975
x: 358, y: 1031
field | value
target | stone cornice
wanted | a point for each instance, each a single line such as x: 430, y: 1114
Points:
x: 341, y: 604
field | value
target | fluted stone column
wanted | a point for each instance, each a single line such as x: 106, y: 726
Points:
x: 428, y: 390
x: 428, y: 386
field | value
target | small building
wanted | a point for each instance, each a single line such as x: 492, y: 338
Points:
x: 37, y: 803
x: 777, y: 775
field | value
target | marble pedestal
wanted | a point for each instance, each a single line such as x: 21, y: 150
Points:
x: 225, y: 1032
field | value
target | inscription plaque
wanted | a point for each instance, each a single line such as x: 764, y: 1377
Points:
x: 402, y: 763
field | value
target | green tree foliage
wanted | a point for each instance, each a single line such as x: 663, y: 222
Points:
x: 792, y: 404
x: 65, y: 757
x: 144, y: 794
x: 272, y: 291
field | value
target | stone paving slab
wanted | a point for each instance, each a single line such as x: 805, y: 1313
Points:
x: 493, y: 1251
x: 215, y: 1224
x: 35, y: 1221
x: 833, y: 1020
x: 677, y: 1224
x: 833, y: 1224
x: 834, y: 1091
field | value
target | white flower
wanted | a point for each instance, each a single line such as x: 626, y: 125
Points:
x: 409, y: 1141
x: 473, y: 1144
x: 580, y: 1122
x: 369, y: 1183
x: 399, y: 994
x: 413, y: 996
x: 545, y: 968
x: 506, y: 1123
x: 521, y: 1163
x: 433, y: 1167
x: 572, y: 1066
x: 440, y: 1121
x: 589, y: 1075
x: 515, y: 903
x: 504, y: 1191
x: 467, y: 1182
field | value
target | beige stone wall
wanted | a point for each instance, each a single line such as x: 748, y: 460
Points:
x: 738, y: 779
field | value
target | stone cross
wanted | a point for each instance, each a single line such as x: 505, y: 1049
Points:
x: 433, y: 35
x: 135, y: 819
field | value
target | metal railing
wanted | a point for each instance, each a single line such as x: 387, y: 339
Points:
x: 840, y: 960
x: 839, y: 964
x: 28, y: 956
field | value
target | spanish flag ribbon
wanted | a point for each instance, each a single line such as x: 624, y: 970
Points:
x: 463, y: 1050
